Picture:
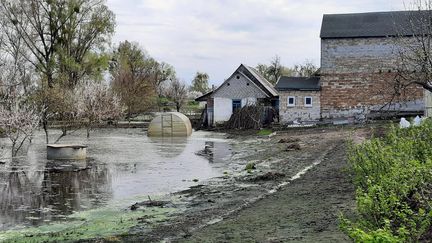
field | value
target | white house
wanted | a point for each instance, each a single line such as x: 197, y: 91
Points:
x: 244, y: 87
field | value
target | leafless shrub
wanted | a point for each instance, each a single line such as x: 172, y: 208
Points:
x: 18, y: 122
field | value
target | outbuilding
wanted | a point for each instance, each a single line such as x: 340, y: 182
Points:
x: 244, y: 87
x: 299, y: 99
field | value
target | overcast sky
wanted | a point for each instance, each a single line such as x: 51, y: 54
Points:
x: 215, y: 36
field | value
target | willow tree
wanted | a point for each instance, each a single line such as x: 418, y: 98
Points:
x: 64, y: 40
x: 200, y: 83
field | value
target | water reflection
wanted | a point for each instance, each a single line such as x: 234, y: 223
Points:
x: 125, y: 164
x: 35, y: 197
x: 169, y: 147
x: 215, y: 152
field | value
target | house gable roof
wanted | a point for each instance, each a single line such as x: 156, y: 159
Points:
x: 250, y: 73
x: 205, y: 96
x: 376, y: 24
x: 286, y: 83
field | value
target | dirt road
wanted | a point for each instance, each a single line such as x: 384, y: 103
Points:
x: 306, y: 210
x: 295, y: 192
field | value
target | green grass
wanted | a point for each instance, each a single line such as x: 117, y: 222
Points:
x: 264, y: 132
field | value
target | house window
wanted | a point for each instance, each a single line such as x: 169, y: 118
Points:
x: 291, y: 100
x: 236, y: 105
x: 308, y: 101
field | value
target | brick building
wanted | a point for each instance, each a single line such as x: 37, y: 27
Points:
x: 299, y: 99
x: 359, y: 60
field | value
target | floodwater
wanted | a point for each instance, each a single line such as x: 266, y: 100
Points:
x: 122, y: 164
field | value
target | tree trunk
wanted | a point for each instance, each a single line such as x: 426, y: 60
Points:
x: 88, y: 130
x: 178, y: 107
x: 45, y: 127
x: 14, y: 153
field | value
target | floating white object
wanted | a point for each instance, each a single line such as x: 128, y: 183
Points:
x: 404, y: 123
x: 66, y: 151
x: 417, y: 121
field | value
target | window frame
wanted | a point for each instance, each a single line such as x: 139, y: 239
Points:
x: 236, y: 104
x: 288, y: 101
x: 311, y: 101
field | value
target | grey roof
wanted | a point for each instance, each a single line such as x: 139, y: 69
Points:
x: 256, y: 78
x: 298, y: 83
x: 204, y: 96
x: 377, y: 24
x: 262, y: 80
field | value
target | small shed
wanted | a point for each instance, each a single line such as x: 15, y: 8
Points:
x: 170, y: 124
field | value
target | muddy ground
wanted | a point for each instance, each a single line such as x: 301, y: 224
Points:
x: 295, y: 188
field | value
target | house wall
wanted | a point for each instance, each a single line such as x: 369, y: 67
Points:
x: 299, y: 111
x: 239, y: 88
x: 356, y: 74
x: 222, y: 109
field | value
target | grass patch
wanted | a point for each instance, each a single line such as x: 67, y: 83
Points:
x: 264, y: 132
x: 250, y: 166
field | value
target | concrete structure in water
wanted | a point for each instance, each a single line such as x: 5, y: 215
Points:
x: 170, y: 124
x: 66, y: 152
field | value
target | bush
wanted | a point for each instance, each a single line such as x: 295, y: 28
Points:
x: 393, y: 179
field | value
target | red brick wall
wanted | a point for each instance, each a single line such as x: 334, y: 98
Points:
x: 358, y: 74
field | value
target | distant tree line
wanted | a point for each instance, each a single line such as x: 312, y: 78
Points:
x: 274, y: 70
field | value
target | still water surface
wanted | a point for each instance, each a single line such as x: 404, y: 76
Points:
x: 122, y: 164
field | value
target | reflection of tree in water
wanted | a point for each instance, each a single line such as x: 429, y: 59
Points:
x: 169, y: 147
x: 49, y: 194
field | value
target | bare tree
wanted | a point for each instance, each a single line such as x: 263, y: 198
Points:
x: 275, y: 70
x: 62, y: 39
x: 18, y: 121
x: 19, y: 117
x: 177, y: 91
x: 307, y: 69
x: 95, y: 103
x: 408, y: 69
x: 415, y: 51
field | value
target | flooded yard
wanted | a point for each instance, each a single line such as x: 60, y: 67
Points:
x: 122, y: 165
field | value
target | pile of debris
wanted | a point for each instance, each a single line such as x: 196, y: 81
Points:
x: 251, y: 117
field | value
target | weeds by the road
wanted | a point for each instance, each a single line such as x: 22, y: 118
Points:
x: 393, y: 177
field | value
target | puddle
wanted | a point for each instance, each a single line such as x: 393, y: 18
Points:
x: 122, y: 164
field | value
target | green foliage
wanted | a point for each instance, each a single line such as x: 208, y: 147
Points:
x: 264, y: 132
x: 133, y: 72
x: 200, y: 83
x: 250, y: 166
x: 393, y: 179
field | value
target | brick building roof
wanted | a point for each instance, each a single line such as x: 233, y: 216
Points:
x: 298, y: 83
x: 376, y: 24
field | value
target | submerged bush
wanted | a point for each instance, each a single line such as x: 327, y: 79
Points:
x: 393, y: 179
